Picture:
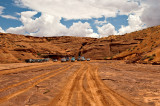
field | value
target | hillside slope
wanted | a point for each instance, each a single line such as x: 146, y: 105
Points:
x: 140, y: 46
x: 17, y: 48
x: 147, y: 51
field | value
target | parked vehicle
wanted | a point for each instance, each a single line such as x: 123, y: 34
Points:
x: 63, y: 60
x: 55, y: 60
x: 73, y: 59
x: 78, y: 59
x: 28, y: 61
x: 36, y: 60
x: 46, y: 59
x: 82, y: 59
x: 67, y: 58
x: 88, y: 59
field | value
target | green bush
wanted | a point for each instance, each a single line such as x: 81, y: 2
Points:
x: 38, y: 54
x: 151, y: 58
x: 105, y: 58
x: 145, y: 57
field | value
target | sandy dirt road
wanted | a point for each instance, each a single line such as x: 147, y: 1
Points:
x: 64, y: 84
x: 95, y: 93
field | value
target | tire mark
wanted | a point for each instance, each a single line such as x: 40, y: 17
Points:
x: 23, y: 82
x: 82, y: 91
x: 116, y: 99
x: 8, y: 71
x: 3, y: 99
x: 64, y: 98
x: 95, y: 94
x: 93, y: 88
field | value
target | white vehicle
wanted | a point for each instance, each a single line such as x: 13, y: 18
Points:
x: 55, y: 60
x: 63, y: 60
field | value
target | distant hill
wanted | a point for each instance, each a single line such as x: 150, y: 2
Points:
x: 140, y: 46
x: 148, y: 48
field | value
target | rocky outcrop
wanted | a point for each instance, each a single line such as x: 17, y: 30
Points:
x: 20, y: 47
x: 147, y: 50
x: 140, y: 46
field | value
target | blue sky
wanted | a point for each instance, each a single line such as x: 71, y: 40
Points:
x: 10, y: 9
x: 73, y: 17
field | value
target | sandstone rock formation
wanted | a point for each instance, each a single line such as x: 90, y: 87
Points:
x: 140, y: 46
x: 148, y: 48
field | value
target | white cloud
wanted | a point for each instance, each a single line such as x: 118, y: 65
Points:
x: 1, y: 30
x: 151, y: 14
x: 100, y: 22
x: 135, y: 24
x: 82, y: 30
x: 148, y: 15
x: 9, y: 17
x: 1, y: 9
x: 16, y: 30
x: 6, y: 16
x: 93, y: 35
x: 48, y: 25
x: 80, y: 9
x: 79, y: 29
x: 106, y: 30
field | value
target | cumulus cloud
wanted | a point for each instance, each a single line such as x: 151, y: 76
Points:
x: 147, y: 16
x: 82, y: 30
x: 151, y: 14
x: 107, y: 30
x: 79, y: 29
x: 48, y: 25
x: 135, y: 24
x: 16, y: 30
x: 93, y: 35
x: 80, y: 9
x: 1, y: 30
x: 140, y: 12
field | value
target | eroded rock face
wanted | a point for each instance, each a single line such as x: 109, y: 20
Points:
x: 147, y: 50
x: 17, y: 48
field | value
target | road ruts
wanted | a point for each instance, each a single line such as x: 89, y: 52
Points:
x: 31, y: 79
x: 38, y: 79
x: 65, y: 96
x: 85, y: 88
x: 107, y: 96
x: 19, y: 69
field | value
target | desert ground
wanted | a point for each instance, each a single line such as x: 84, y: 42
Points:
x: 89, y: 83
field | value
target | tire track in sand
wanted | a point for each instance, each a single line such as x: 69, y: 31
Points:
x: 107, y: 96
x: 93, y: 88
x: 3, y: 99
x: 19, y: 69
x: 64, y: 97
x: 31, y: 79
x: 95, y: 94
x: 82, y: 92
